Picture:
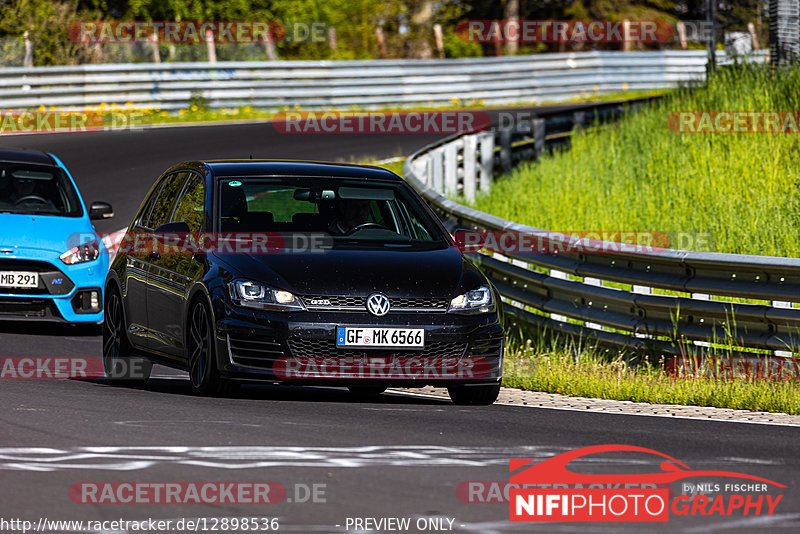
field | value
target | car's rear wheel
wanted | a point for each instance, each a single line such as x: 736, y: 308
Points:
x: 366, y: 391
x: 474, y: 395
x: 118, y: 363
x: 201, y: 348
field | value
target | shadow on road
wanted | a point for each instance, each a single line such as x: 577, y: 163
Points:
x: 274, y: 392
x: 49, y: 329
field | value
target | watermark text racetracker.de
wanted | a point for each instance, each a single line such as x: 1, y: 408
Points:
x: 50, y: 368
x: 583, y: 31
x: 381, y: 122
x: 197, y: 492
x: 734, y: 122
x: 58, y: 121
x: 149, y: 525
x: 195, y: 32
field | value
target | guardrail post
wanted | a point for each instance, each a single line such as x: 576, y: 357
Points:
x: 486, y: 140
x: 505, y: 149
x: 782, y: 304
x: 470, y: 176
x: 450, y: 169
x: 539, y: 136
x: 578, y: 119
x: 436, y: 163
x: 598, y: 283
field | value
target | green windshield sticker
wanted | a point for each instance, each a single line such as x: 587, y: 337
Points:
x: 235, y: 183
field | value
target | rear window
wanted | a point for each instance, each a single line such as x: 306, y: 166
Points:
x: 37, y: 190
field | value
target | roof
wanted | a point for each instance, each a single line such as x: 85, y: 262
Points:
x: 246, y: 167
x: 26, y: 156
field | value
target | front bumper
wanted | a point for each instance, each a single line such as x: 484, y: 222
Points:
x: 63, y: 294
x: 300, y: 348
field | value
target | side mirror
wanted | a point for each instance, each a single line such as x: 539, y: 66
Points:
x: 179, y: 227
x: 100, y: 210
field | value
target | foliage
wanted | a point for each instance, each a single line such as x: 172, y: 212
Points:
x: 637, y: 175
x: 406, y: 24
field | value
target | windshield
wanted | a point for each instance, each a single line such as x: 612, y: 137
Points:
x: 37, y: 190
x: 349, y: 211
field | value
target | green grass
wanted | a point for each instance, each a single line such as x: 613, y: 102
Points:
x: 579, y: 371
x: 734, y: 193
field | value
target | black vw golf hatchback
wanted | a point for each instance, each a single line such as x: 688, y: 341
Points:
x: 300, y: 273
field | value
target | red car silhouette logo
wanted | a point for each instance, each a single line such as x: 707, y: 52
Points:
x: 555, y: 471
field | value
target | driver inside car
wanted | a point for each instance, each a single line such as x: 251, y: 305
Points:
x: 348, y: 214
x: 24, y: 189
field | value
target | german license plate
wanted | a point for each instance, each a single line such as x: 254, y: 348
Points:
x: 19, y: 279
x: 358, y: 336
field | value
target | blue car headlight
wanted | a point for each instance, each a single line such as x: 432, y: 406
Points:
x: 84, y: 252
x: 249, y: 294
x: 478, y: 300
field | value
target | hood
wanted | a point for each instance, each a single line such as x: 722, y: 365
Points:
x: 430, y: 273
x: 42, y: 233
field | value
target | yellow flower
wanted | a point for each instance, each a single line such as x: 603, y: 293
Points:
x: 194, y: 107
x: 163, y: 113
x: 596, y: 88
x: 625, y: 86
x: 248, y: 109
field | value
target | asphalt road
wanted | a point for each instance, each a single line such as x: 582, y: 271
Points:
x: 397, y: 456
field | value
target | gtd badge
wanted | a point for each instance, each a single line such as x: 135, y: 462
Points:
x: 378, y: 304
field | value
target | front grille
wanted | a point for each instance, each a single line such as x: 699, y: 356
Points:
x: 334, y: 302
x: 51, y: 280
x: 254, y: 351
x: 323, y: 348
x: 26, y: 308
x: 420, y: 303
x: 359, y: 303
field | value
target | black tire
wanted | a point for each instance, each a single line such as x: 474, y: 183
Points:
x: 366, y: 391
x: 119, y: 365
x: 201, y: 353
x: 474, y: 395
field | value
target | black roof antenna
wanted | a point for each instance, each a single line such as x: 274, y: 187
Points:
x: 251, y: 156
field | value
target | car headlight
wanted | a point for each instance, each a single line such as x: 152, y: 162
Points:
x: 251, y: 294
x: 88, y: 251
x: 478, y: 300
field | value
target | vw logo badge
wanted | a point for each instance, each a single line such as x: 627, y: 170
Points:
x: 378, y: 304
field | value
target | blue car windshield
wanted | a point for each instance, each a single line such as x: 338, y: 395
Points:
x: 37, y: 190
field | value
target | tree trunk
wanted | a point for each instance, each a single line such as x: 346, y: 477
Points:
x: 422, y: 29
x: 511, y: 12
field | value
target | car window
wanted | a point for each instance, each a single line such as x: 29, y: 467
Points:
x: 148, y: 207
x: 350, y: 211
x: 37, y: 190
x: 165, y: 203
x: 190, y: 206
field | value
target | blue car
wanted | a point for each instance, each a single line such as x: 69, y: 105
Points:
x: 52, y: 262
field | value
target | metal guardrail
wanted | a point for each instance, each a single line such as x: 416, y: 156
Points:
x: 567, y: 290
x: 374, y: 83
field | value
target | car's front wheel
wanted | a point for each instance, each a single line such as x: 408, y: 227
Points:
x: 201, y: 349
x: 118, y: 363
x: 474, y: 395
